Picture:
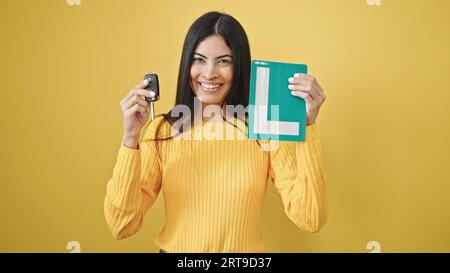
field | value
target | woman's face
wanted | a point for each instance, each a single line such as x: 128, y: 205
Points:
x: 212, y: 70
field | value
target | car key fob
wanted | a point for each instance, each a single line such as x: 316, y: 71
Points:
x: 153, y: 85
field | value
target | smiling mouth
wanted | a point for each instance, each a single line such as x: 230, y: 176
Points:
x: 210, y: 87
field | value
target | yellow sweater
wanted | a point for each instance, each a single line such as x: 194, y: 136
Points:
x: 214, y: 189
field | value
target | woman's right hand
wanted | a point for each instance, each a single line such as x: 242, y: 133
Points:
x: 135, y: 110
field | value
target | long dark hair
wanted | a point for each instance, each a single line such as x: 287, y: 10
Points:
x: 213, y: 23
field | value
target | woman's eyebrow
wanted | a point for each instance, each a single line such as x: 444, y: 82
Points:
x: 221, y: 56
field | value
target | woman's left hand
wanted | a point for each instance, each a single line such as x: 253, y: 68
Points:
x: 307, y: 87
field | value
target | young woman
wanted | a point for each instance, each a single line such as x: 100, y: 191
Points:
x: 213, y: 187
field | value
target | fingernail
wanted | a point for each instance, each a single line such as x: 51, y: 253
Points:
x: 152, y: 94
x: 290, y: 86
x: 291, y: 79
x: 146, y: 81
x: 296, y: 75
x: 292, y: 93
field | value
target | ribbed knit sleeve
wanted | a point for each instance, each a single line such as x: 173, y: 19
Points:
x: 134, y: 185
x: 297, y: 172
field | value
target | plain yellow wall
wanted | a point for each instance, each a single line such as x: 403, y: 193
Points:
x: 385, y: 125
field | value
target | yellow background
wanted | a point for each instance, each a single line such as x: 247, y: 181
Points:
x: 385, y: 125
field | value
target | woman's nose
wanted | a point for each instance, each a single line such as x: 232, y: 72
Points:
x: 210, y: 71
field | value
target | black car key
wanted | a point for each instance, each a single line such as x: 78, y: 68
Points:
x: 153, y: 85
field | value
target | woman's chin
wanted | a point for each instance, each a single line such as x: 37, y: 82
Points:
x: 208, y: 99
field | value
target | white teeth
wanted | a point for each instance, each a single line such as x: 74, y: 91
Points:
x: 210, y: 86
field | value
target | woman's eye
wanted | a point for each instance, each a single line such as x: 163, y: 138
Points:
x: 198, y: 60
x: 223, y: 61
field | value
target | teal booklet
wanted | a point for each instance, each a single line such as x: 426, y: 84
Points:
x: 273, y: 112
